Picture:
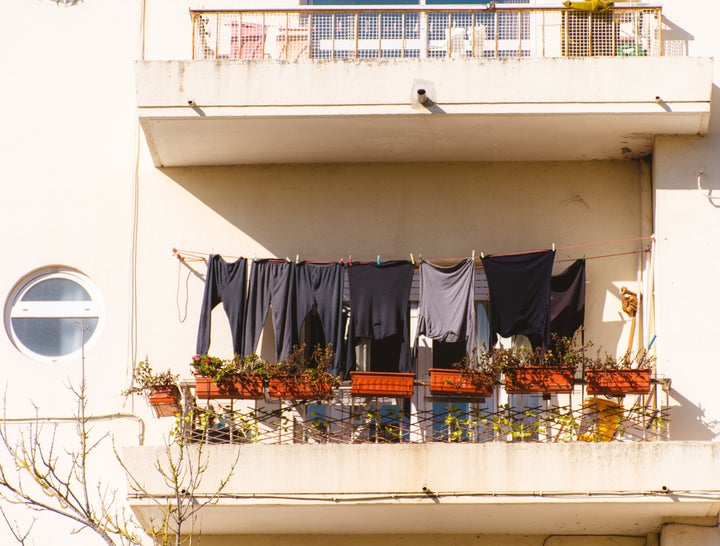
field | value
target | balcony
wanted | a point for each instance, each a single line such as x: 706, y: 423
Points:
x: 563, y: 463
x: 554, y: 414
x: 491, y: 31
x: 505, y: 84
x: 480, y: 489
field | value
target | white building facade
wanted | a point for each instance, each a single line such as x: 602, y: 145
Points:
x: 140, y: 136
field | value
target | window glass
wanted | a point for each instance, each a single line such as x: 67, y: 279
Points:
x: 52, y: 313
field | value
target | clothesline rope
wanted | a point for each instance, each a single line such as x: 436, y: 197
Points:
x: 195, y: 256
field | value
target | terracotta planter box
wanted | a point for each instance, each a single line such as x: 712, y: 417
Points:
x: 382, y: 384
x: 536, y: 379
x: 298, y: 388
x: 444, y: 381
x: 165, y: 401
x: 248, y: 387
x: 618, y: 382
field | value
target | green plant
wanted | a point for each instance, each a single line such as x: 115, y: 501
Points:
x: 309, y: 367
x: 223, y: 371
x: 145, y: 380
x: 481, y: 368
x: 563, y: 353
x: 640, y: 361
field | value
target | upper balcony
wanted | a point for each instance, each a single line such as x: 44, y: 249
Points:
x: 502, y: 82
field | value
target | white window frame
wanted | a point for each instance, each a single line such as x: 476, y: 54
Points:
x: 17, y: 308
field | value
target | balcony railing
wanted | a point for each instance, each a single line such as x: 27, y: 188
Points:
x: 494, y: 31
x: 501, y: 417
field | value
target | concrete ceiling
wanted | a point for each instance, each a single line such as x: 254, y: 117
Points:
x: 220, y: 140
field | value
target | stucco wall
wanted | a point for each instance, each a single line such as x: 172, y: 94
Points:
x: 328, y: 212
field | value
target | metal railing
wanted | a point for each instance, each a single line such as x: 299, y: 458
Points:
x: 494, y: 31
x: 568, y: 417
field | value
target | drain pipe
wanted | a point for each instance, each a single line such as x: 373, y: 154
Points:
x: 64, y: 420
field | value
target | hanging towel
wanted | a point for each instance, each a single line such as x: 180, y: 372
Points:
x: 224, y: 282
x: 519, y: 288
x: 590, y: 5
x: 567, y: 300
x: 447, y: 298
x: 271, y: 284
x: 321, y: 286
x: 379, y: 303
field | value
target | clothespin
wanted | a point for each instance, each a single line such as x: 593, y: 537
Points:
x: 349, y: 259
x: 473, y: 255
x: 421, y: 258
x: 288, y: 259
x: 482, y: 255
x: 553, y: 247
x: 412, y: 259
x: 378, y: 259
x: 297, y: 259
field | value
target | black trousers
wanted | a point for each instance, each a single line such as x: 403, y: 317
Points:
x: 271, y: 284
x: 224, y: 282
x: 320, y: 287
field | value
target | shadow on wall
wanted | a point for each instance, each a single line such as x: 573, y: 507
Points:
x: 675, y: 39
x: 688, y: 422
x: 698, y: 153
x: 325, y: 212
x: 329, y: 211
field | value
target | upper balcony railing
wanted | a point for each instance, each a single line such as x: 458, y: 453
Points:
x: 493, y: 31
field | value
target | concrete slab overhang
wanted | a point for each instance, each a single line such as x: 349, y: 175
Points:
x: 250, y: 112
x: 492, y: 488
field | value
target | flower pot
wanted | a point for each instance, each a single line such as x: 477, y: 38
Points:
x: 298, y: 388
x: 245, y: 386
x: 618, y: 382
x: 538, y: 379
x: 382, y: 384
x: 165, y: 401
x: 446, y: 381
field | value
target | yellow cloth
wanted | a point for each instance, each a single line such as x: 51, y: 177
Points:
x: 590, y: 5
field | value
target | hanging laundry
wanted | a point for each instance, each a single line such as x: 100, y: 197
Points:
x: 271, y: 284
x: 379, y: 303
x: 447, y: 298
x: 320, y: 287
x: 567, y: 300
x: 519, y: 288
x: 224, y: 282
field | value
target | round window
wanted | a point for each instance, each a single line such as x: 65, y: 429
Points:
x: 53, y: 314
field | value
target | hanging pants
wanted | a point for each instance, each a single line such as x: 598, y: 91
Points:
x: 447, y: 299
x: 224, y: 282
x: 380, y: 305
x: 321, y: 286
x: 271, y: 283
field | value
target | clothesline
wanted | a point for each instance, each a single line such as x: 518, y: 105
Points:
x: 195, y: 256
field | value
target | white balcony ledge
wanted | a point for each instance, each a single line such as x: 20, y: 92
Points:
x: 250, y: 112
x: 594, y: 488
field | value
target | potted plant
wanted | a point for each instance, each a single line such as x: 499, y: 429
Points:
x: 612, y: 376
x: 302, y: 376
x: 238, y: 378
x: 541, y: 371
x: 473, y: 376
x: 161, y: 389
